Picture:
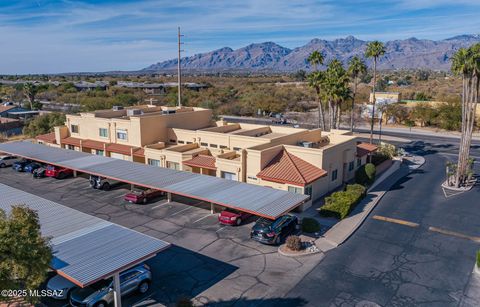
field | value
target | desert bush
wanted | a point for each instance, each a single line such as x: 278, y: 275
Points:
x: 340, y: 204
x: 478, y: 259
x: 387, y: 150
x: 294, y: 243
x: 365, y: 174
x: 310, y: 225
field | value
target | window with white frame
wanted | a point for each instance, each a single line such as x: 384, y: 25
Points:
x: 154, y: 162
x: 103, y: 132
x: 297, y: 190
x: 74, y: 129
x: 173, y: 165
x: 334, y: 175
x: 99, y: 152
x: 229, y: 176
x: 308, y: 191
x: 122, y: 134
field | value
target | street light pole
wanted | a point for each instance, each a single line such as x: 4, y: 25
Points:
x: 179, y: 72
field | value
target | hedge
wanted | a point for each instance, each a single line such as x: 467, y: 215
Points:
x: 365, y: 174
x: 340, y: 204
x: 478, y: 258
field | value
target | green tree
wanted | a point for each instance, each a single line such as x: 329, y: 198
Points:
x: 466, y: 63
x: 315, y: 80
x: 43, y: 124
x: 336, y: 90
x: 374, y: 50
x: 356, y: 68
x: 25, y: 255
x: 30, y: 91
x: 424, y: 113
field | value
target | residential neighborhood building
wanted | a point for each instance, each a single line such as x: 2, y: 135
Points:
x: 311, y: 162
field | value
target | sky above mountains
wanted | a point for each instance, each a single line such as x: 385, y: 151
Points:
x: 70, y: 36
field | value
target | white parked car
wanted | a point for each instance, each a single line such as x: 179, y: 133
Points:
x: 60, y: 286
x: 102, y: 183
x: 7, y: 161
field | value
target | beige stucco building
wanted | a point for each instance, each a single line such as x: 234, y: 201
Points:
x: 303, y: 161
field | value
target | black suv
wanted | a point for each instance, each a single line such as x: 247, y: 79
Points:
x: 273, y: 232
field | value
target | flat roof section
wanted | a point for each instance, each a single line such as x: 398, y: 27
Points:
x: 262, y: 201
x: 86, y: 249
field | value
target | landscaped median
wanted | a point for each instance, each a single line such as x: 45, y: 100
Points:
x: 340, y: 204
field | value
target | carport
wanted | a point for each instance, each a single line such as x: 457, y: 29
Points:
x: 86, y: 249
x: 262, y: 201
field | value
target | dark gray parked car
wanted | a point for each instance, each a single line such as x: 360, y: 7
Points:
x: 100, y: 294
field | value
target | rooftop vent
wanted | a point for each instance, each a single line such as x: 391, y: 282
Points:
x: 307, y: 144
x: 132, y: 112
x: 117, y: 108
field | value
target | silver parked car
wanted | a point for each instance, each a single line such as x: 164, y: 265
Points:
x: 7, y: 161
x: 61, y: 287
x: 102, y: 183
x: 100, y: 294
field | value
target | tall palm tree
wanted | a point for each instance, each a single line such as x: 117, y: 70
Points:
x: 336, y: 90
x: 356, y: 68
x: 374, y: 50
x: 315, y: 80
x: 30, y: 91
x: 466, y: 63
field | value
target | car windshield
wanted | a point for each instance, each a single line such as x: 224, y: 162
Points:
x: 51, y: 167
x: 264, y: 222
x: 101, y: 284
x: 137, y: 192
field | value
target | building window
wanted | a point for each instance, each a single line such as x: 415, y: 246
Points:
x: 71, y: 147
x: 173, y: 165
x: 308, y: 191
x: 103, y: 132
x: 229, y: 176
x: 99, y: 152
x: 214, y: 145
x: 204, y: 144
x: 74, y: 128
x: 173, y: 141
x: 122, y: 134
x: 189, y: 142
x: 351, y: 166
x: 237, y: 148
x: 359, y: 162
x: 295, y: 190
x: 334, y: 175
x: 153, y: 162
x: 180, y: 142
x: 223, y: 147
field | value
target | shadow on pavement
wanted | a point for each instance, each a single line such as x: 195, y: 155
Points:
x: 277, y: 302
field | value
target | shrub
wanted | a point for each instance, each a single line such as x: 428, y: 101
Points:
x: 365, y: 175
x: 387, y: 150
x: 340, y: 204
x: 478, y: 259
x: 294, y: 243
x: 310, y: 225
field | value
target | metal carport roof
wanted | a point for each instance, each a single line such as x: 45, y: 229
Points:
x: 86, y: 249
x: 263, y: 201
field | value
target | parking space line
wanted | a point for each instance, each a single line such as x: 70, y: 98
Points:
x: 183, y: 210
x: 396, y: 221
x: 202, y: 218
x: 221, y: 228
x: 159, y: 205
x: 454, y: 234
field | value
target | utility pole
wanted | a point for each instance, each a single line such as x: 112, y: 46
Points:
x: 179, y: 72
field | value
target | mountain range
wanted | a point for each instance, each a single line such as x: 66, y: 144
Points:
x: 411, y: 53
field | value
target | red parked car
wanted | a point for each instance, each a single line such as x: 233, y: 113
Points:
x: 58, y: 172
x: 232, y: 217
x: 138, y: 197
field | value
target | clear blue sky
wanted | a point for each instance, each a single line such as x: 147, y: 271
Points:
x: 63, y: 36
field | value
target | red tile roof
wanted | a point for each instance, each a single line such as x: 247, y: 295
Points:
x: 365, y: 148
x: 121, y: 149
x: 139, y: 153
x: 93, y: 144
x: 202, y: 161
x: 287, y: 168
x: 49, y: 138
x: 71, y: 141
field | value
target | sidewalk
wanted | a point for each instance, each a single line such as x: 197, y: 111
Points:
x: 343, y: 229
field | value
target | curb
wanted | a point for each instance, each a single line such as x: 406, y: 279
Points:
x: 295, y: 255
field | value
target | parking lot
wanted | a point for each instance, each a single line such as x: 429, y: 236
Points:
x: 209, y: 262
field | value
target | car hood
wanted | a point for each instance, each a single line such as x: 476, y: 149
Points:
x: 229, y: 214
x: 132, y: 196
x: 85, y: 294
x: 58, y: 283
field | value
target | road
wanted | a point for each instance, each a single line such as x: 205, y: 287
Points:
x: 404, y: 261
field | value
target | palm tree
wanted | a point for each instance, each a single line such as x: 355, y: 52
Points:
x: 315, y: 80
x: 466, y: 63
x: 336, y: 90
x: 30, y: 90
x: 356, y: 68
x: 374, y: 50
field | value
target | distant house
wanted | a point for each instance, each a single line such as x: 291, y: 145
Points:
x: 385, y: 97
x: 88, y: 86
x: 159, y: 88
